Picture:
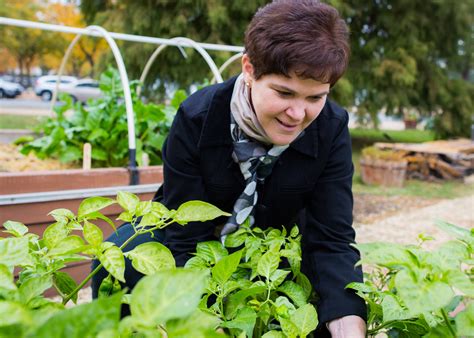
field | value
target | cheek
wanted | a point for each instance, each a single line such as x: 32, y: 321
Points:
x: 268, y: 108
x: 316, y: 110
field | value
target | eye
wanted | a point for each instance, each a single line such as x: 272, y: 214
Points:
x: 283, y: 93
x: 314, y: 98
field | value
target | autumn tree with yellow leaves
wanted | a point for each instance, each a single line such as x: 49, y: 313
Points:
x: 26, y: 48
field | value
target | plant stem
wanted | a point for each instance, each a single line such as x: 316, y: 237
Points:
x: 448, y: 324
x: 79, y: 287
x: 380, y: 327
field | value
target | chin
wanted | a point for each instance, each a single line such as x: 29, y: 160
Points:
x: 281, y: 141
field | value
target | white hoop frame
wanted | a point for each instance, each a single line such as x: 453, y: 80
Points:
x: 187, y: 42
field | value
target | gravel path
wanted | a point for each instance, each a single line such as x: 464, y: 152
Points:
x: 404, y: 226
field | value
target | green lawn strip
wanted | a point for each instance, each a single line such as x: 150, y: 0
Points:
x: 20, y: 121
x: 366, y: 137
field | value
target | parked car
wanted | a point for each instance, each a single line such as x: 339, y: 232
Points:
x: 46, y: 85
x: 10, y: 89
x: 82, y: 90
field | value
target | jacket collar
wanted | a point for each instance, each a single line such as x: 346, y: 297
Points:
x: 216, y: 128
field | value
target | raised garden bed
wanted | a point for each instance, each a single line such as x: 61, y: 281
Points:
x: 28, y: 197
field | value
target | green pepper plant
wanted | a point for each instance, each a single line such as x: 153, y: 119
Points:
x: 414, y: 292
x: 163, y: 304
x: 258, y: 290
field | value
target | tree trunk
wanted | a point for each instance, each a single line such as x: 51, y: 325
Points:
x: 21, y: 66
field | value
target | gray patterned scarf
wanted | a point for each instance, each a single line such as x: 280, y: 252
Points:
x: 255, y: 161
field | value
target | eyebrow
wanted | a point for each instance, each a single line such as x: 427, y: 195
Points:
x: 280, y: 87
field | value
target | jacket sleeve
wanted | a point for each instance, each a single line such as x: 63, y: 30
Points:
x: 183, y: 182
x: 329, y: 233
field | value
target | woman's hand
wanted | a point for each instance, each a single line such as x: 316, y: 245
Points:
x: 348, y: 326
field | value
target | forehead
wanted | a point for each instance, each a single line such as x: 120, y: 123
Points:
x: 295, y: 83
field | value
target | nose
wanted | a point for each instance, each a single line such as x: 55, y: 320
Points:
x: 296, y: 111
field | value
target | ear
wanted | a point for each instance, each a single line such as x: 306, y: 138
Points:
x: 247, y: 68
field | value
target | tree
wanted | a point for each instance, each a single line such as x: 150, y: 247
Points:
x: 406, y: 55
x: 34, y: 47
x: 412, y: 55
x: 87, y: 49
x: 213, y: 21
x: 25, y: 45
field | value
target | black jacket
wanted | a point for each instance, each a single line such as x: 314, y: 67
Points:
x: 310, y: 186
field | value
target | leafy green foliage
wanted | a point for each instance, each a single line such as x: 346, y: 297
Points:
x: 163, y: 303
x: 258, y: 290
x: 401, y: 62
x: 412, y: 292
x: 254, y: 287
x: 203, y: 21
x: 103, y: 124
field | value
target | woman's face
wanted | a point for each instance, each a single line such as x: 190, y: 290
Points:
x: 284, y: 106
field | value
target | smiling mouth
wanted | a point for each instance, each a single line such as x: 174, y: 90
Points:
x: 289, y: 126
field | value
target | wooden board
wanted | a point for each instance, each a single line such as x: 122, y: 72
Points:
x: 444, y: 159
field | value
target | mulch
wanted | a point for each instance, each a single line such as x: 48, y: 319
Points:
x: 369, y: 208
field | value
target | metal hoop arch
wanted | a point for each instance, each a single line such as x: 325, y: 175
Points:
x: 126, y: 91
x: 186, y: 42
x: 150, y: 62
x: 227, y: 63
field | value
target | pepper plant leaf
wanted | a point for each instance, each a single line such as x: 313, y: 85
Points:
x: 14, y: 251
x: 268, y: 264
x: 224, y: 268
x: 93, y: 204
x: 197, y: 211
x: 456, y: 231
x: 151, y: 257
x: 113, y: 261
x: 168, y: 294
x: 211, y: 251
x: 55, y: 233
x: 435, y: 294
x: 69, y: 245
x: 6, y: 278
x: 294, y: 291
x: 17, y: 229
x: 305, y: 319
x: 244, y: 320
x: 85, y: 320
x: 128, y: 201
x: 34, y: 287
x: 65, y: 284
x: 12, y: 313
x: 93, y: 234
x: 465, y: 321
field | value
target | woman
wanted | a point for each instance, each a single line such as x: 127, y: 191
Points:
x: 269, y: 145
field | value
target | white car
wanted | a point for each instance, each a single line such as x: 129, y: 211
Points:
x: 82, y: 90
x: 46, y: 85
x: 10, y: 89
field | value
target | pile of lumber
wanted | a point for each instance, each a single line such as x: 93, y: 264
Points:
x: 446, y: 159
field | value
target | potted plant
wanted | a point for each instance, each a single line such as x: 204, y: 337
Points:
x: 410, y: 119
x: 383, y: 167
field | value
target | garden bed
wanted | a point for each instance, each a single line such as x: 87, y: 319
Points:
x: 59, y: 180
x: 28, y: 197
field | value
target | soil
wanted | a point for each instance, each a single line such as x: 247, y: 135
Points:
x: 11, y: 160
x: 370, y: 208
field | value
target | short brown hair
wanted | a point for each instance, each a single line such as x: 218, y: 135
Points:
x: 302, y: 36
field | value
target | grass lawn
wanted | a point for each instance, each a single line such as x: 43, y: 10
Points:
x: 20, y: 121
x: 366, y: 137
